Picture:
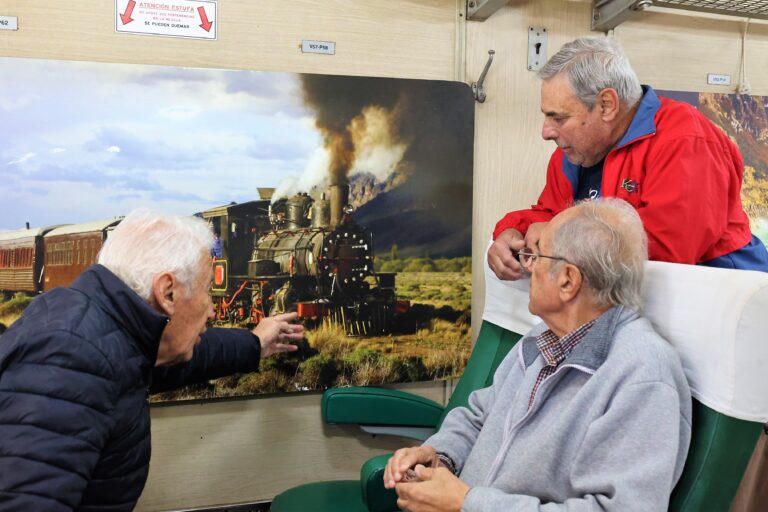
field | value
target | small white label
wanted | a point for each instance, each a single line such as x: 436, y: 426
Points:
x: 713, y: 79
x: 193, y: 19
x: 9, y: 23
x: 325, y: 47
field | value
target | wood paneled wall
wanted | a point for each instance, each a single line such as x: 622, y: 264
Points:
x: 397, y: 38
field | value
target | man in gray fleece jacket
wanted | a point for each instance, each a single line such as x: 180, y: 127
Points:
x: 591, y: 410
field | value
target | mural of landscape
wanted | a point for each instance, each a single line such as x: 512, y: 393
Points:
x: 348, y: 199
x: 745, y: 119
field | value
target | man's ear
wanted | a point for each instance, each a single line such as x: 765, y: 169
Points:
x: 608, y: 104
x: 165, y: 292
x: 569, y: 282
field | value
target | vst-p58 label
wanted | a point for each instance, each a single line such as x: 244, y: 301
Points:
x: 325, y: 47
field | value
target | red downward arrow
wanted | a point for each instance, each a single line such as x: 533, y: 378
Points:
x: 205, y: 25
x: 126, y: 17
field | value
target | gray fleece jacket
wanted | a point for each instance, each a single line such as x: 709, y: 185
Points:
x: 609, y: 430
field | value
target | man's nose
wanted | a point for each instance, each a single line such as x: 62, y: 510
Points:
x: 547, y: 132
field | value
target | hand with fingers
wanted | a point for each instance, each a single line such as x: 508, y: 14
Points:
x: 437, y: 490
x: 404, y: 460
x: 502, y: 255
x: 533, y: 235
x: 274, y: 331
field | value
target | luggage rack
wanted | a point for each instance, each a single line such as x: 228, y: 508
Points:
x: 608, y: 14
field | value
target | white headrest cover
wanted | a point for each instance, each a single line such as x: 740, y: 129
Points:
x: 716, y: 319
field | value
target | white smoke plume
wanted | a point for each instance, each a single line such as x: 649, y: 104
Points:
x: 374, y: 150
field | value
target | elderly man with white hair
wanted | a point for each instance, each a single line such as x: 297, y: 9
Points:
x: 77, y: 368
x: 590, y: 411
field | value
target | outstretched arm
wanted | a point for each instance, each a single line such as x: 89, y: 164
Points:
x: 223, y: 352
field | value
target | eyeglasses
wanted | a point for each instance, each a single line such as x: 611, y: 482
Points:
x: 528, y: 259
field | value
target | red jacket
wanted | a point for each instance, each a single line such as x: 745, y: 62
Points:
x: 680, y: 171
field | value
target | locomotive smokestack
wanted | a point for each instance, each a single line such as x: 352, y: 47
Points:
x: 27, y: 223
x: 339, y: 198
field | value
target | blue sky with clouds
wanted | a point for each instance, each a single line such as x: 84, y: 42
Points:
x: 87, y: 141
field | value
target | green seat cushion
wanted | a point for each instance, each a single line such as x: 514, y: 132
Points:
x: 718, y: 455
x: 376, y: 497
x: 332, y: 496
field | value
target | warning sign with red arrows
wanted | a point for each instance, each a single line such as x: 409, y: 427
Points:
x: 194, y: 19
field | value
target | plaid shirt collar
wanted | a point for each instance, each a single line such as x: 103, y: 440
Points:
x: 554, y: 349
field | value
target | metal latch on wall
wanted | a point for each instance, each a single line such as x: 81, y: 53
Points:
x: 537, y: 48
x: 477, y: 87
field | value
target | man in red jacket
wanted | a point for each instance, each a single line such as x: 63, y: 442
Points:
x: 618, y: 138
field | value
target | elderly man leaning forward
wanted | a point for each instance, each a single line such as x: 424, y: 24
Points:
x: 591, y: 410
x: 617, y: 138
x: 77, y: 368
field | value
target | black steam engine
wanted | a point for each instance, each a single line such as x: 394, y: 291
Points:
x: 300, y: 254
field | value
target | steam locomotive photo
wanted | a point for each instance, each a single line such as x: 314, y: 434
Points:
x: 294, y: 254
x: 300, y: 254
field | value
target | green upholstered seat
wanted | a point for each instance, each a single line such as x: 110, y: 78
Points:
x: 719, y: 453
x: 338, y: 495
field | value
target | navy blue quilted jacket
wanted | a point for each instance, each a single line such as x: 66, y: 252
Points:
x: 75, y: 373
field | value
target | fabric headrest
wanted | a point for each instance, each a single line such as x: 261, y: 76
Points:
x: 716, y: 319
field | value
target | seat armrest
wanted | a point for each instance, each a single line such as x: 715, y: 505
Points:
x: 375, y: 496
x: 378, y: 406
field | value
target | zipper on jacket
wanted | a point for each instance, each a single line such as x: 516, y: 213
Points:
x: 509, y: 434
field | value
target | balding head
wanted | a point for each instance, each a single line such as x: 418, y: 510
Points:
x: 605, y: 239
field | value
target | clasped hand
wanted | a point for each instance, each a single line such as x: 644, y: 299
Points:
x: 434, y: 489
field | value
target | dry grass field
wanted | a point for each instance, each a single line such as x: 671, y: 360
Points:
x: 10, y: 310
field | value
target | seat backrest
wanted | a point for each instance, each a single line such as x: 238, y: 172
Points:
x: 717, y: 320
x: 492, y: 345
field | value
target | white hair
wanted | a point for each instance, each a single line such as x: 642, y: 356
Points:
x: 592, y: 64
x: 606, y: 240
x: 148, y: 243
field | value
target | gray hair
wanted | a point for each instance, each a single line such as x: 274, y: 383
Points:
x: 594, y: 64
x: 605, y: 239
x: 148, y: 243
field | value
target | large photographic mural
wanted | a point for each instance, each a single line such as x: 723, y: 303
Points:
x: 744, y: 119
x: 282, y: 166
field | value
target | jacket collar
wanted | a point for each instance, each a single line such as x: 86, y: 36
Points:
x: 142, y: 323
x: 592, y: 351
x: 643, y: 123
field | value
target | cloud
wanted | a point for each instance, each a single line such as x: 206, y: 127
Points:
x: 179, y: 112
x: 22, y: 159
x: 148, y: 151
x: 16, y: 103
x: 124, y: 197
x: 98, y: 178
x: 172, y: 195
x: 253, y: 83
x: 284, y: 151
x: 58, y: 150
x: 151, y: 76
